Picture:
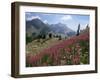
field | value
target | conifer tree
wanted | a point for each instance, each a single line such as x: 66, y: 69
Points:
x: 78, y: 30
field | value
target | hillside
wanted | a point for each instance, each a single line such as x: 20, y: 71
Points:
x: 72, y: 51
x: 36, y: 46
x: 36, y: 28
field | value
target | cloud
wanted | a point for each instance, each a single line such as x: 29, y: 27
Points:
x: 45, y: 21
x: 67, y: 17
x: 32, y: 17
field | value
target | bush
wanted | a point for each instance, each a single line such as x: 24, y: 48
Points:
x: 28, y: 39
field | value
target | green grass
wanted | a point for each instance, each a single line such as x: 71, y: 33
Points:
x: 38, y: 45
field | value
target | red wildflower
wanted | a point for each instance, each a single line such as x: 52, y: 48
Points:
x: 75, y: 59
x: 68, y: 49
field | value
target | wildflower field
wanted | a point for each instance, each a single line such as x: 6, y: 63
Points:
x: 71, y: 51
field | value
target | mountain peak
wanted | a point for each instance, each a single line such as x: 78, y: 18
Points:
x: 39, y: 27
x: 60, y: 23
x: 36, y: 19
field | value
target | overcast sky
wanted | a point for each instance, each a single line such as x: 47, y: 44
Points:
x: 70, y: 20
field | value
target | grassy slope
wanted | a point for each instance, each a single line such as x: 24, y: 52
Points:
x: 35, y: 46
x: 70, y: 51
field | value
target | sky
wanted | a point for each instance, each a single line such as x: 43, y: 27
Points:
x: 71, y: 20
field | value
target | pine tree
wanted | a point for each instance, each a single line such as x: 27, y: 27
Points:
x: 87, y: 26
x: 78, y: 30
x: 50, y: 35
